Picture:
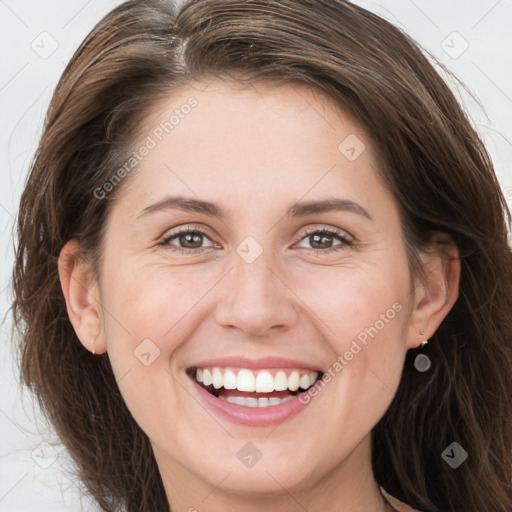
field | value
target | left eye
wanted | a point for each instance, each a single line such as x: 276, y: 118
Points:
x: 322, y: 240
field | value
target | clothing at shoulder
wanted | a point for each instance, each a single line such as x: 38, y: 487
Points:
x: 400, y: 506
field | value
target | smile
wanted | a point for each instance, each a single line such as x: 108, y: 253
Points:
x: 252, y: 396
x: 254, y: 388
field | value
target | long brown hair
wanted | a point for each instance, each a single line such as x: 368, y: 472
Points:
x: 430, y: 156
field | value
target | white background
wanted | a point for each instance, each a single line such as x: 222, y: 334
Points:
x: 32, y: 475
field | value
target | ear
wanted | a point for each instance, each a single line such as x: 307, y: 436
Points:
x: 81, y: 292
x: 436, y: 292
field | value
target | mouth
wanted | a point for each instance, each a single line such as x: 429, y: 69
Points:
x: 252, y: 387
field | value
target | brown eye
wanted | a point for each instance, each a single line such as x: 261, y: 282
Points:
x: 323, y: 240
x: 186, y: 240
x: 190, y: 240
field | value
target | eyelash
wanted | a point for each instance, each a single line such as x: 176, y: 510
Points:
x: 346, y: 241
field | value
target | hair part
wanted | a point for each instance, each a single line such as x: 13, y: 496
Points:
x: 429, y: 156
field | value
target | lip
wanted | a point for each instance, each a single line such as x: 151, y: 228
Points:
x: 249, y: 416
x: 257, y: 364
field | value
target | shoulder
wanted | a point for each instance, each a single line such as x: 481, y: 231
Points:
x: 398, y: 505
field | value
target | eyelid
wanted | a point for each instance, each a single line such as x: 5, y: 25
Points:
x: 325, y: 229
x: 186, y: 228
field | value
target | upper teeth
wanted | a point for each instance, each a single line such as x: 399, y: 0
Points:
x: 261, y: 381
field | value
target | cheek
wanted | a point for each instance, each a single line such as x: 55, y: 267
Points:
x: 153, y: 301
x: 148, y: 311
x: 363, y: 314
x: 356, y: 304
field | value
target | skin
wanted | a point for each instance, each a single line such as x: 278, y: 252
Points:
x: 256, y: 152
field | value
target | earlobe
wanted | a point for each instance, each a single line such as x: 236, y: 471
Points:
x: 80, y: 290
x: 437, y: 291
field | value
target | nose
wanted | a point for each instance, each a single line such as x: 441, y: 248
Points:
x: 256, y: 300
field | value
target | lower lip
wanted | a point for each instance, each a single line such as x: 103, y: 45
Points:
x: 251, y: 416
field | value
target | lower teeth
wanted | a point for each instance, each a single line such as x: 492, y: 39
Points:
x: 256, y: 402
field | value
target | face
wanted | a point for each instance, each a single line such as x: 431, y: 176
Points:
x: 218, y: 265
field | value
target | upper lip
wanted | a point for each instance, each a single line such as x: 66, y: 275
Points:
x: 257, y: 364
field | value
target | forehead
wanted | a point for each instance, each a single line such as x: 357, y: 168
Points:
x: 260, y: 143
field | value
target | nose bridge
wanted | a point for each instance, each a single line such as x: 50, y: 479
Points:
x: 253, y: 282
x: 255, y: 298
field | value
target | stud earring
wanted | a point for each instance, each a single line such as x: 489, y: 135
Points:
x: 422, y: 362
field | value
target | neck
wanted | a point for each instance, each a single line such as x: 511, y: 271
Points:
x: 348, y: 486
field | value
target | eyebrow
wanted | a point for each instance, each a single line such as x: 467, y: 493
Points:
x: 185, y: 204
x: 327, y: 205
x: 297, y: 210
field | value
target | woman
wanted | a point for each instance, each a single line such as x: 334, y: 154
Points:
x: 273, y: 227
